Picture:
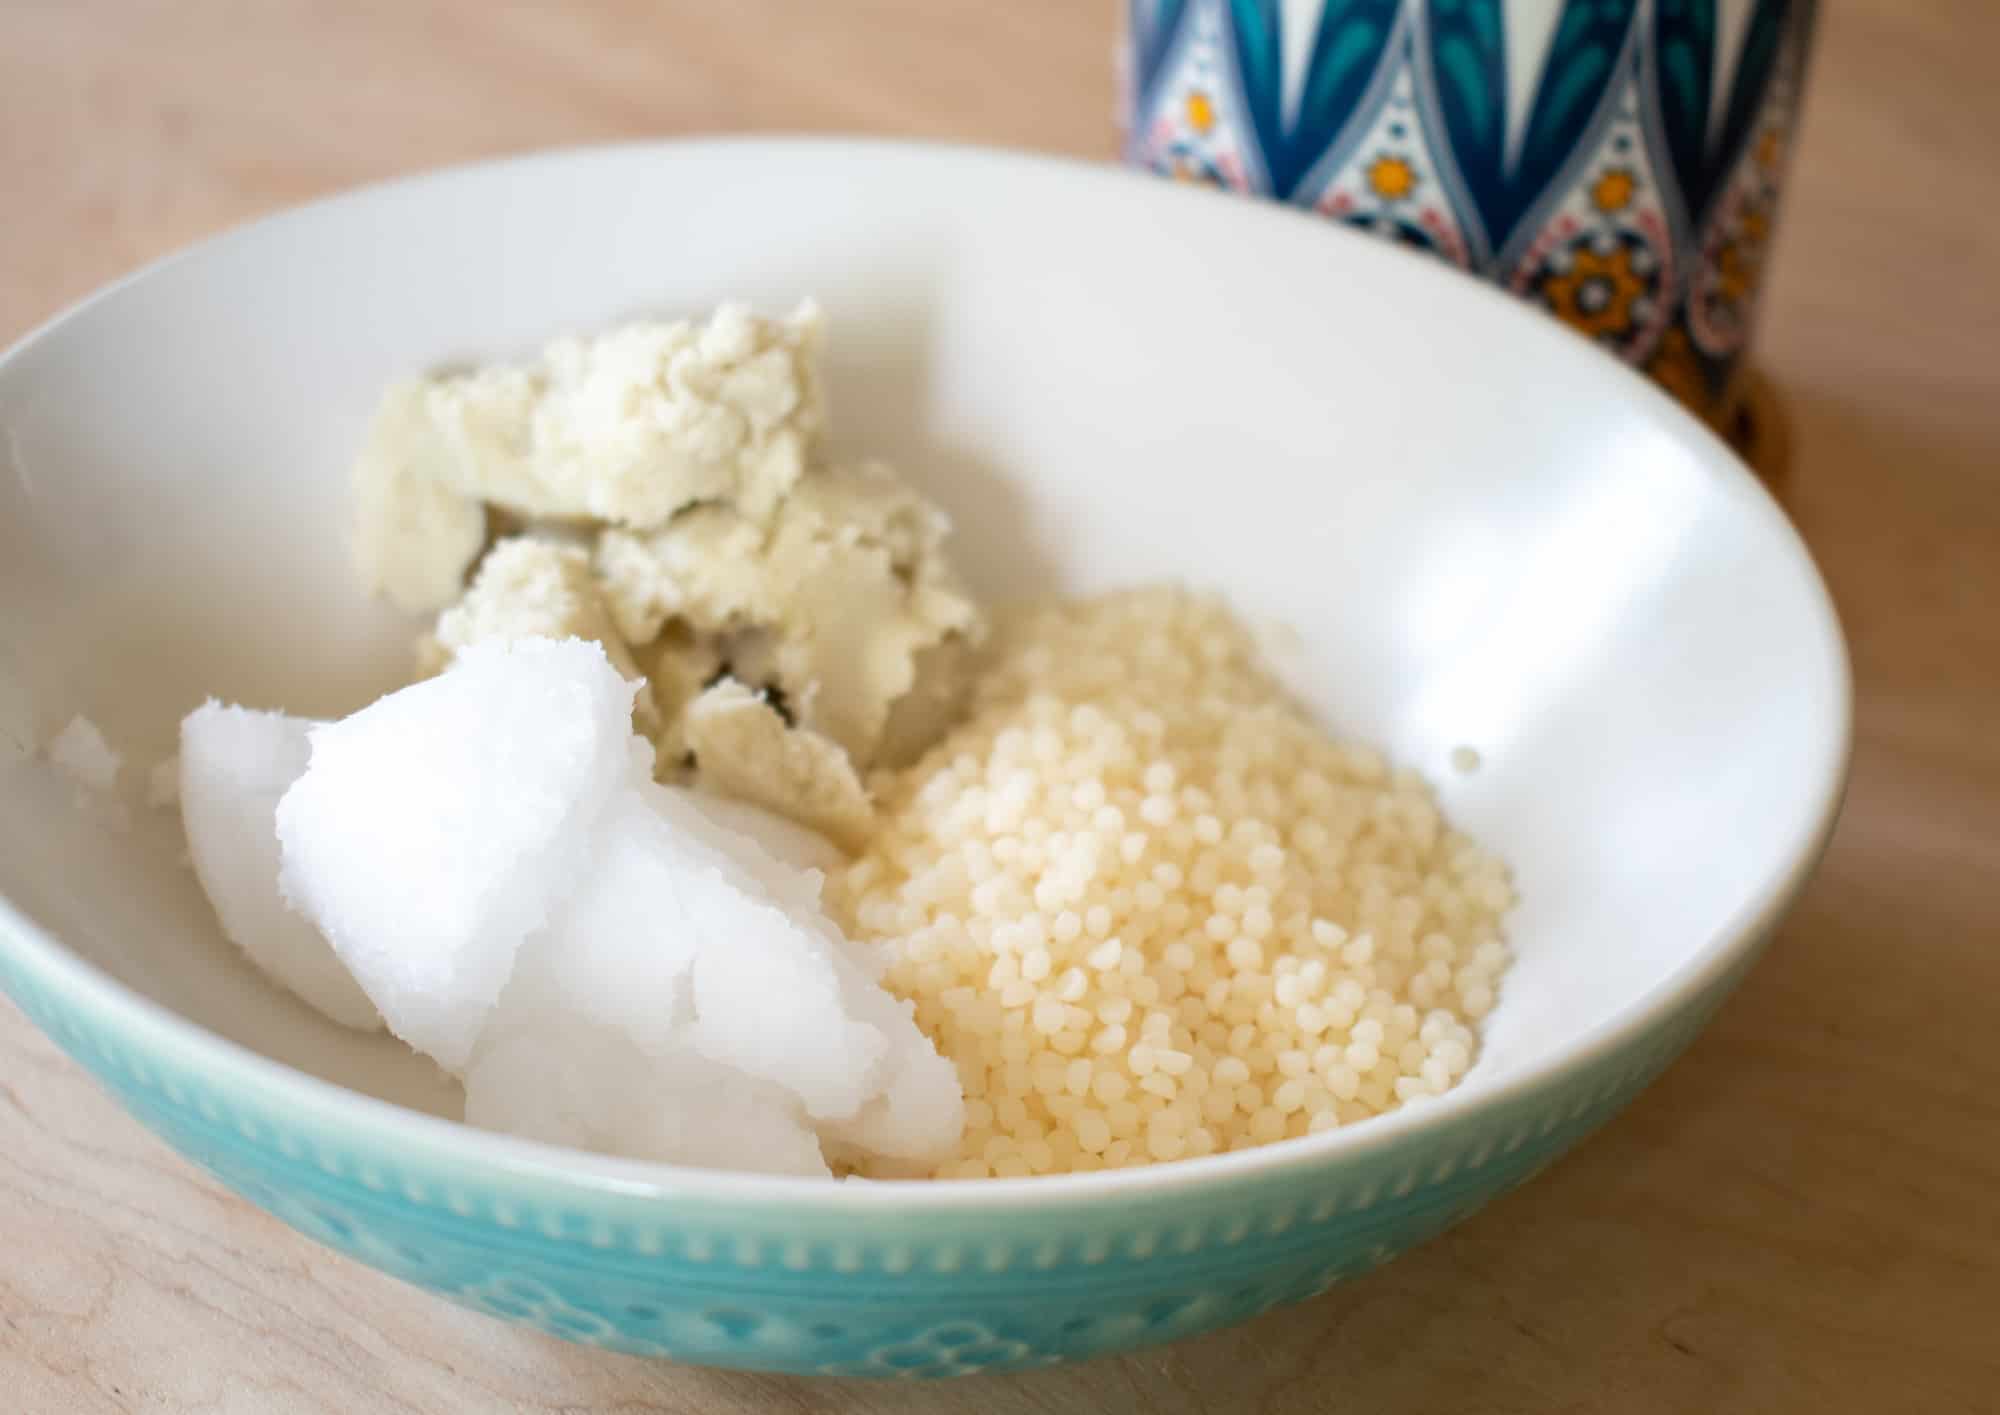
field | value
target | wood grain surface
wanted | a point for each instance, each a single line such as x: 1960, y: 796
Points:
x: 1803, y: 1215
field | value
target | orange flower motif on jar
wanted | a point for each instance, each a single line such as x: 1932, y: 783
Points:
x: 1613, y: 190
x: 1676, y: 369
x: 1391, y: 178
x: 1596, y: 294
x: 1770, y: 149
x: 1736, y: 270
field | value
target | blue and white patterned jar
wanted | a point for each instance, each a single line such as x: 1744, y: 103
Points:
x: 1617, y: 162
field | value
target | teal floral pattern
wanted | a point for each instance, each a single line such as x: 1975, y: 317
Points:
x: 1388, y: 180
x: 1615, y: 161
x: 1503, y: 169
x: 1296, y: 122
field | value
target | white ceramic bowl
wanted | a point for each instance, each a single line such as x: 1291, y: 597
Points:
x: 1485, y: 534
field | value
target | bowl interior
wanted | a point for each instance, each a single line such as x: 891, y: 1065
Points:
x: 1479, y: 532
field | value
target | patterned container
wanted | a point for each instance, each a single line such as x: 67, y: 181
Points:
x: 1617, y: 162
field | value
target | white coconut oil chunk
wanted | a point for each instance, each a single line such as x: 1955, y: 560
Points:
x: 608, y: 963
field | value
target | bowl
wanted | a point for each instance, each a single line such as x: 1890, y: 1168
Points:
x: 1481, y: 533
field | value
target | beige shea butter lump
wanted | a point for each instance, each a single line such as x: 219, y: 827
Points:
x: 660, y: 489
x: 834, y: 602
x: 531, y: 587
x: 628, y: 427
x: 1149, y: 909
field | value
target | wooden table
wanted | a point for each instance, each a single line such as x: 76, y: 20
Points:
x: 1804, y: 1214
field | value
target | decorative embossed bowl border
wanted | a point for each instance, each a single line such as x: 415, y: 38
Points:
x: 737, y: 1271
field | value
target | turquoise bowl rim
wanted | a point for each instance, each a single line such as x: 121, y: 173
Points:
x: 245, y: 1117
